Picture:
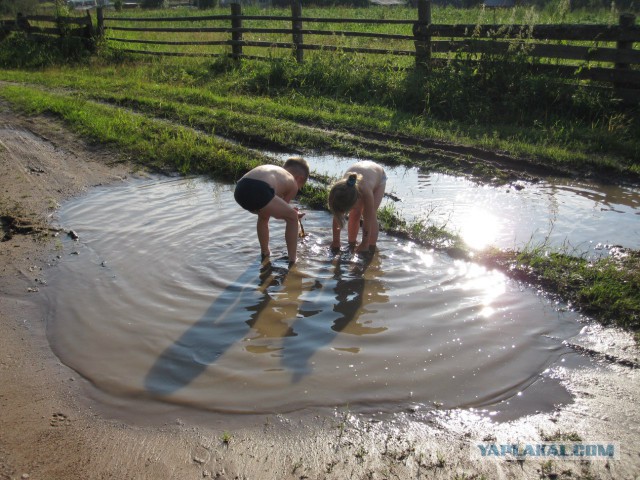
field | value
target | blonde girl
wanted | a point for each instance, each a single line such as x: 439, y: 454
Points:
x: 358, y: 194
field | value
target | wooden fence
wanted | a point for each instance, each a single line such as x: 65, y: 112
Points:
x: 600, y: 53
x: 597, y: 53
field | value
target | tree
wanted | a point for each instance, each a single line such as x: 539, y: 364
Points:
x: 206, y: 4
x: 12, y: 7
x: 152, y: 3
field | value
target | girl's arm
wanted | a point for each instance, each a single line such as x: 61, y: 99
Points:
x: 336, y: 233
x: 369, y: 214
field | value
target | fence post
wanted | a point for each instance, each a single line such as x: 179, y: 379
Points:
x: 421, y: 33
x: 626, y: 22
x: 22, y: 23
x: 296, y: 26
x: 236, y: 35
x: 89, y: 32
x: 100, y: 22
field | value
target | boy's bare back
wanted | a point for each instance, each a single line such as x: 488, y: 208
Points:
x: 282, y: 182
x: 266, y: 191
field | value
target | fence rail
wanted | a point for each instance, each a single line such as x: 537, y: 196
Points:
x: 81, y: 27
x: 600, y: 53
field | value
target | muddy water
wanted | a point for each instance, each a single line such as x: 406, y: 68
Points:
x: 163, y: 297
x: 581, y: 217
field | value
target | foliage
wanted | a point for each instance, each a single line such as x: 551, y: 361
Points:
x: 20, y: 50
x: 331, y: 3
x: 12, y: 7
x: 203, y: 4
x: 150, y: 142
x: 152, y: 3
x: 486, y: 94
x: 215, y: 96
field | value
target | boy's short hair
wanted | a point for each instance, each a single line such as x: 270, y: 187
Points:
x: 298, y: 165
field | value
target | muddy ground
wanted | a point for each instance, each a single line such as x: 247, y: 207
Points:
x: 54, y: 424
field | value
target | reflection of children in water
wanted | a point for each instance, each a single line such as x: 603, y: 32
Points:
x: 354, y: 291
x: 343, y: 296
x: 334, y: 306
x: 281, y: 288
x: 285, y: 308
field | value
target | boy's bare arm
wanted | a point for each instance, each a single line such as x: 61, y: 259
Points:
x: 290, y: 190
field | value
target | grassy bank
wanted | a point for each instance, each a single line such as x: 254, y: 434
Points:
x: 213, y: 117
x: 241, y: 103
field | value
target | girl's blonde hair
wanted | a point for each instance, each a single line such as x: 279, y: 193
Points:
x: 343, y: 195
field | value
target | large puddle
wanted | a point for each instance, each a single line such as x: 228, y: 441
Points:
x: 163, y: 297
x: 580, y: 217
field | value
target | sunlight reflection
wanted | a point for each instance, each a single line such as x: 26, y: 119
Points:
x: 479, y: 229
x: 426, y: 258
x: 487, y: 311
x: 475, y: 277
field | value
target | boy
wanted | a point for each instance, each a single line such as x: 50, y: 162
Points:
x: 266, y: 191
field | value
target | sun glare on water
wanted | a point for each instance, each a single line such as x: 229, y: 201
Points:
x: 479, y: 229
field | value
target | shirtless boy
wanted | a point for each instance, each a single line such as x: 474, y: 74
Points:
x: 266, y: 191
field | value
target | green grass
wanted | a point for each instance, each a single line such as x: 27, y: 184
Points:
x: 554, y: 12
x: 229, y: 103
x: 146, y: 141
x: 608, y: 289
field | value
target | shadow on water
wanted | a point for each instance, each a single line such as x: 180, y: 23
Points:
x: 217, y: 330
x: 340, y: 302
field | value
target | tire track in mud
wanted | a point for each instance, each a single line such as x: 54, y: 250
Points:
x: 390, y: 148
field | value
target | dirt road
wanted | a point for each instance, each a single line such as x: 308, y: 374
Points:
x: 53, y: 425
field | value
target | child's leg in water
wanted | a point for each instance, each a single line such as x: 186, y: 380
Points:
x: 378, y: 193
x: 353, y: 225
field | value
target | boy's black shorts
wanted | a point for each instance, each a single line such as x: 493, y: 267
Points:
x: 252, y: 194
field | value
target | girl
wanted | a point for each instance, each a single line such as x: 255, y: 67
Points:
x: 358, y: 193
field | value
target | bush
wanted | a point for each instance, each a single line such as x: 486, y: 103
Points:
x: 20, y: 50
x: 203, y: 4
x: 12, y: 7
x: 152, y: 3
